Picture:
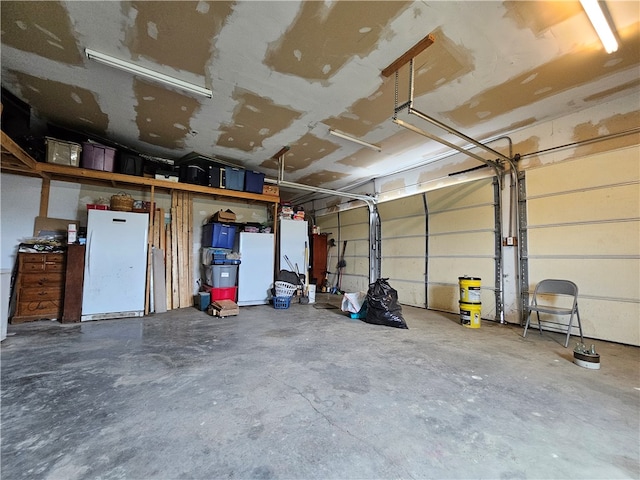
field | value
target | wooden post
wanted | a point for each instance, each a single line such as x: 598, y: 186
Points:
x: 44, y: 197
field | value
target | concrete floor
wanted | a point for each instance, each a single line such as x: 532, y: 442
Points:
x: 309, y: 393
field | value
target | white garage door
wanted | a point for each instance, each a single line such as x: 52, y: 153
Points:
x: 462, y: 242
x: 403, y: 247
x: 583, y: 224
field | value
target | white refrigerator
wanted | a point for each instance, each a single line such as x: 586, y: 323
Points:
x: 292, y: 236
x: 115, y: 268
x: 256, y: 269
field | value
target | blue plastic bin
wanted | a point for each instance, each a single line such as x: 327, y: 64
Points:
x: 234, y: 178
x: 253, y: 181
x: 218, y: 235
x: 281, y: 303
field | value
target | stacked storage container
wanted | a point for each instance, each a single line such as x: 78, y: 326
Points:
x: 221, y: 274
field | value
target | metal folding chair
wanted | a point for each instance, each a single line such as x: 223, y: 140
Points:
x: 549, y: 297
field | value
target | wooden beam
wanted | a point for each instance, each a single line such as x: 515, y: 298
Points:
x: 11, y: 147
x: 44, y: 197
x: 413, y: 52
x: 77, y: 174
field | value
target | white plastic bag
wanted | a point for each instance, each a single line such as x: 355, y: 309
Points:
x: 352, y: 302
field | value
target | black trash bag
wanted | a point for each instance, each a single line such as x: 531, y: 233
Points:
x: 382, y: 305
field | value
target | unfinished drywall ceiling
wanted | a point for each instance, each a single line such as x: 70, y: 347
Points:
x: 285, y: 72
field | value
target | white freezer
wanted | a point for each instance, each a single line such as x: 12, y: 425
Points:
x: 115, y: 268
x: 292, y: 235
x: 256, y: 269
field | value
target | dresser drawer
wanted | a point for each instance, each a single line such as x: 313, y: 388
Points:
x: 39, y: 262
x: 42, y: 308
x: 30, y: 294
x: 44, y: 279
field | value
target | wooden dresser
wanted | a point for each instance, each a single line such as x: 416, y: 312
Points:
x: 39, y: 286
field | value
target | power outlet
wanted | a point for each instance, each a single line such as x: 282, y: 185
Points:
x: 510, y: 241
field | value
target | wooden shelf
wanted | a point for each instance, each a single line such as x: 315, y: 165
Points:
x: 16, y: 160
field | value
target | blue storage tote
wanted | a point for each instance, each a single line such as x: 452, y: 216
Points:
x: 218, y: 235
x: 234, y: 178
x: 253, y: 181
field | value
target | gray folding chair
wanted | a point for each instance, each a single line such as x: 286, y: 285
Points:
x: 549, y: 297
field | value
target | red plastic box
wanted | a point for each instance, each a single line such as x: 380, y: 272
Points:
x: 223, y: 293
x: 97, y: 157
x: 95, y: 206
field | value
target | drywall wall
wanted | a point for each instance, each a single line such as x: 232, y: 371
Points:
x: 20, y: 205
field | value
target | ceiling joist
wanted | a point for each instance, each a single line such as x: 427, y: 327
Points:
x: 410, y: 54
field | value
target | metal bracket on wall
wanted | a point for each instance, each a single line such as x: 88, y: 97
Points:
x: 408, y: 105
x: 523, y: 251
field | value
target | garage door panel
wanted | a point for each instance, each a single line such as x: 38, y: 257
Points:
x: 447, y: 270
x: 613, y: 321
x: 403, y: 207
x: 408, y: 246
x: 465, y: 194
x: 409, y: 293
x: 463, y: 243
x: 593, y: 205
x: 354, y: 232
x: 328, y: 223
x: 616, y: 278
x: 443, y: 297
x: 400, y: 227
x: 403, y: 268
x: 609, y: 168
x: 355, y: 215
x: 477, y: 218
x: 596, y: 239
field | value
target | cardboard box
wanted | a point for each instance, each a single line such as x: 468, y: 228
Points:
x: 224, y: 216
x: 223, y: 308
x: 268, y: 189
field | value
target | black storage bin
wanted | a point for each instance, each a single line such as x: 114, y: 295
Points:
x: 194, y: 174
x: 216, y: 176
x: 129, y: 164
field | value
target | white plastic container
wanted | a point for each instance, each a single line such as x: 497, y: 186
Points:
x: 312, y: 294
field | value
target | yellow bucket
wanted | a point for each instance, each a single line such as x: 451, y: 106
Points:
x: 470, y: 314
x: 469, y: 289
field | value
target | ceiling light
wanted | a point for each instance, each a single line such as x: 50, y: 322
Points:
x: 601, y: 25
x: 338, y: 133
x: 146, y: 73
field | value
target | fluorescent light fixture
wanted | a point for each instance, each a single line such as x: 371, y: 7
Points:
x: 601, y: 25
x: 372, y: 146
x: 146, y: 73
